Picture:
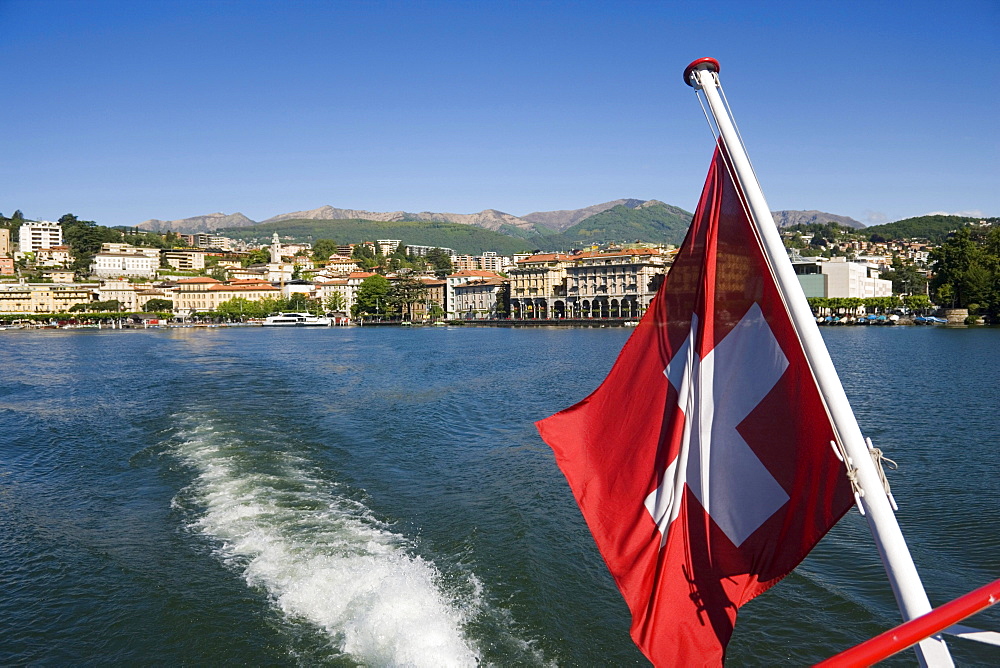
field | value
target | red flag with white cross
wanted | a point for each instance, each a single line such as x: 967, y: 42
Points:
x: 703, y: 463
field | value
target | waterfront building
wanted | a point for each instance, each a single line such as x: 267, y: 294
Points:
x: 347, y: 288
x: 591, y: 284
x: 143, y: 295
x: 619, y: 284
x: 44, y: 297
x: 458, y: 278
x: 191, y: 295
x: 122, y: 291
x: 201, y: 293
x: 40, y: 234
x: 325, y: 289
x: 480, y: 299
x: 538, y: 286
x: 836, y: 277
x: 435, y: 296
x: 250, y: 290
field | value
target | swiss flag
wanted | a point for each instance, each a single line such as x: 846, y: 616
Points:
x: 703, y: 463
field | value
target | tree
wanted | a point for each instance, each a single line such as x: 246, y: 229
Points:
x: 335, y: 302
x: 85, y: 238
x: 157, y: 304
x: 404, y: 293
x: 967, y: 271
x: 257, y: 256
x: 917, y: 303
x: 299, y: 301
x: 906, y: 278
x: 372, y: 296
x: 440, y: 260
x: 364, y: 256
x: 435, y: 311
x: 323, y: 249
x: 953, y: 261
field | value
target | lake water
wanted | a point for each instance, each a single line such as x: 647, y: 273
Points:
x: 379, y: 496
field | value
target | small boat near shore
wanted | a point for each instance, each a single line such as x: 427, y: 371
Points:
x: 296, y: 320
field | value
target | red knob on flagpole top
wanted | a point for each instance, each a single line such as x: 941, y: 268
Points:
x: 700, y: 64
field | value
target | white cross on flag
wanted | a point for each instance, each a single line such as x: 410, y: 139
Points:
x: 702, y: 464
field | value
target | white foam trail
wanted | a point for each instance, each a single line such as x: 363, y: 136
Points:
x: 323, y: 558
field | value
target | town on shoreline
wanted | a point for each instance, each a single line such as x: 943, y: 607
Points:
x: 57, y: 275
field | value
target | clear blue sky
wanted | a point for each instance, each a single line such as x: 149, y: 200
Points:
x: 123, y: 111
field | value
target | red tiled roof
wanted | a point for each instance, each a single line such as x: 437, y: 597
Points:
x: 486, y: 281
x: 620, y: 253
x: 475, y: 272
x: 242, y: 288
x: 198, y: 279
x: 544, y: 257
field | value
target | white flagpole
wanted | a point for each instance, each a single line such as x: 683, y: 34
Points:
x: 911, y: 598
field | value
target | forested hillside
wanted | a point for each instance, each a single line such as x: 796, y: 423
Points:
x: 462, y: 238
x: 934, y: 228
x: 654, y: 222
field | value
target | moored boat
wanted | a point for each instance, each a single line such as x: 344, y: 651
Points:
x: 297, y: 320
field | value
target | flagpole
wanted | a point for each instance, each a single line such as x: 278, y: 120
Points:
x: 910, y: 596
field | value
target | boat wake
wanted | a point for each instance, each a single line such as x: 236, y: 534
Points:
x: 320, y: 556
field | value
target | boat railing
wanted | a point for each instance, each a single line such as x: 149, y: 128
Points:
x: 942, y: 619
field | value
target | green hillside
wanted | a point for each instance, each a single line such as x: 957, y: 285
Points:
x: 655, y: 222
x: 934, y: 228
x: 462, y: 238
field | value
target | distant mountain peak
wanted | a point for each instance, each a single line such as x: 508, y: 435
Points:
x: 790, y: 218
x: 198, y: 224
x: 566, y: 218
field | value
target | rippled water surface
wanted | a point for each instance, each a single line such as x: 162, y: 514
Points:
x: 379, y: 496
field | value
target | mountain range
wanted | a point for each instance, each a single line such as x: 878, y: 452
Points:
x: 530, y: 226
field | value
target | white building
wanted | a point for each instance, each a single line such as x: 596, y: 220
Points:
x: 123, y: 291
x: 458, y: 278
x: 388, y: 246
x: 480, y: 298
x: 115, y: 265
x: 347, y: 288
x: 41, y: 234
x: 839, y: 278
x: 184, y: 260
x: 422, y: 251
x: 59, y: 256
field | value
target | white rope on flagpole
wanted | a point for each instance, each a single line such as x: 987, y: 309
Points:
x: 900, y: 569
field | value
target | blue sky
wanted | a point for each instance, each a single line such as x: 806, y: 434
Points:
x: 123, y: 111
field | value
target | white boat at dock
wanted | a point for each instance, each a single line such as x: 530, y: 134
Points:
x: 297, y: 320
